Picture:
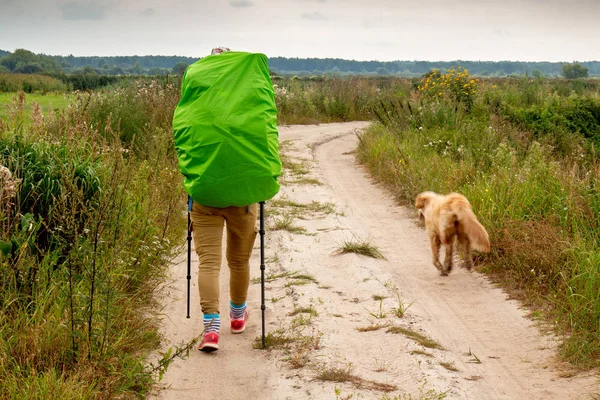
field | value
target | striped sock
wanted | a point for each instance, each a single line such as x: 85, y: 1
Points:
x: 212, y: 323
x: 237, y: 312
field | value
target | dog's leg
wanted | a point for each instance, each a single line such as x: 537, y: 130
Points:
x: 466, y: 251
x: 448, y: 257
x: 435, y: 250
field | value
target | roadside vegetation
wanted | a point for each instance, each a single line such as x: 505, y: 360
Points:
x: 311, y: 101
x: 91, y: 213
x: 525, y: 153
x: 90, y: 217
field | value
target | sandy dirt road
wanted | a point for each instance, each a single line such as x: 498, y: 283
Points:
x: 486, y: 346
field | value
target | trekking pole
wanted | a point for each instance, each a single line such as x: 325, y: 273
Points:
x: 262, y: 268
x: 189, y: 258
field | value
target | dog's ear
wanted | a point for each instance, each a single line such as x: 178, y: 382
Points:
x: 422, y: 200
x: 420, y: 203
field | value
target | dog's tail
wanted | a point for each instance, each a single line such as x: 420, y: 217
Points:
x: 477, y: 234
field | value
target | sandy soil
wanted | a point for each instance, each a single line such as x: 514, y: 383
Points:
x: 490, y: 349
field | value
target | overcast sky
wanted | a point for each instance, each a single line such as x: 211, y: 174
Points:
x: 383, y: 30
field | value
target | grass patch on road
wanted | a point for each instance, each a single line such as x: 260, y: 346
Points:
x: 361, y: 247
x: 345, y: 373
x: 416, y: 336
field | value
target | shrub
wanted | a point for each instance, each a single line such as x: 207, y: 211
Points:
x: 87, y: 81
x: 48, y: 174
x: 30, y: 83
x: 574, y: 71
x: 568, y: 117
x: 456, y: 84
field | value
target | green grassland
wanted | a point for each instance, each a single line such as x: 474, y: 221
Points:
x: 47, y: 102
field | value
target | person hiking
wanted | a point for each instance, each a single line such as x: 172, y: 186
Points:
x: 207, y: 225
x: 225, y: 128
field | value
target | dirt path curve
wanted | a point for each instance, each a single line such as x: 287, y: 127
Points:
x: 481, y: 345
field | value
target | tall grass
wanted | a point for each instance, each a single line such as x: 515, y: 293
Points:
x: 333, y: 100
x: 84, y: 243
x: 536, y: 191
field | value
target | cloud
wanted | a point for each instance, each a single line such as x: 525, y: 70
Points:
x: 148, y: 12
x: 315, y: 16
x: 11, y: 9
x: 77, y: 10
x: 241, y: 3
x: 379, y: 44
x: 501, y: 32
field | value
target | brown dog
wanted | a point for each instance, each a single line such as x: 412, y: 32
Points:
x: 448, y: 219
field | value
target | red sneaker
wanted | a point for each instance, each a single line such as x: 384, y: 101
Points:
x: 210, y: 342
x: 239, y: 325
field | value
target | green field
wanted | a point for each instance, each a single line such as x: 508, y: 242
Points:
x: 48, y: 102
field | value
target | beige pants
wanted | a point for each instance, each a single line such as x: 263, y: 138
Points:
x: 208, y: 225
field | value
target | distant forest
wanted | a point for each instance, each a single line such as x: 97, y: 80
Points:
x: 303, y: 66
x: 24, y: 61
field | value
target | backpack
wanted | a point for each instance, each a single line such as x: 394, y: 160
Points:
x: 225, y: 131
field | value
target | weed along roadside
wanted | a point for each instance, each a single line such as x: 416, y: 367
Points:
x: 86, y: 237
x: 524, y: 154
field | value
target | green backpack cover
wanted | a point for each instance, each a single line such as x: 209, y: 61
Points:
x: 225, y: 129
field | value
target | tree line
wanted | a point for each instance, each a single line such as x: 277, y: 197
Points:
x: 25, y: 61
x: 313, y: 66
